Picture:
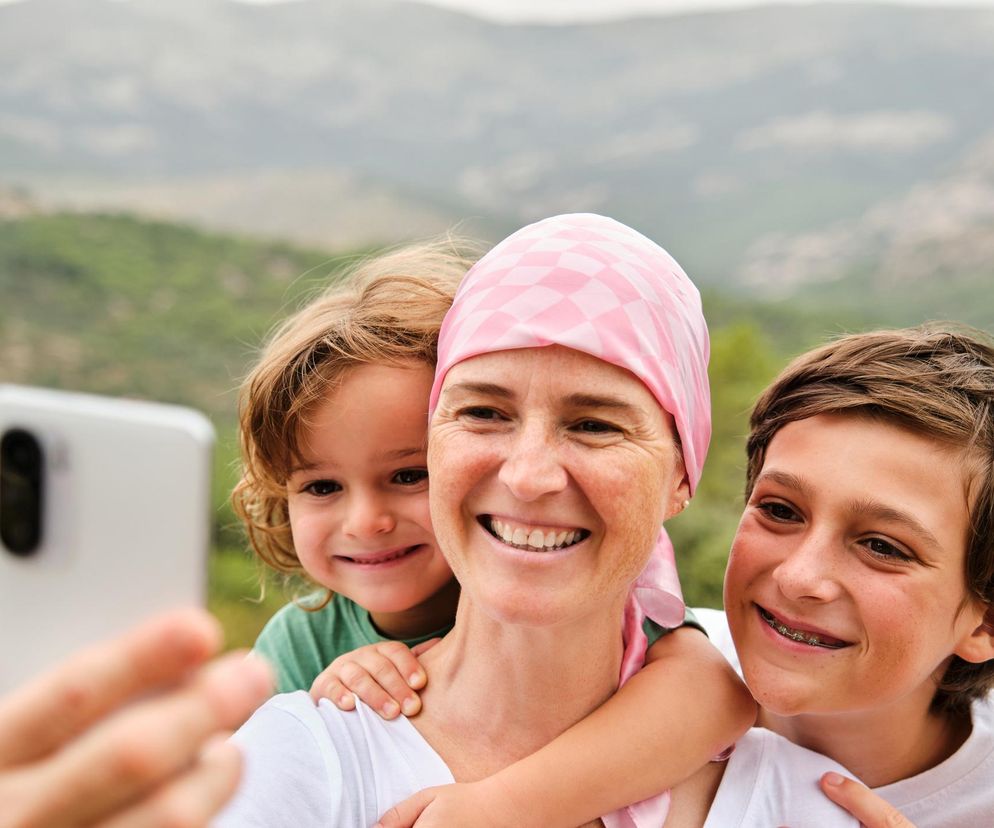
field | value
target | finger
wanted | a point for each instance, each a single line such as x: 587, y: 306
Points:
x: 134, y: 752
x: 327, y: 686
x: 360, y: 682
x: 407, y: 665
x: 190, y: 799
x: 406, y: 813
x: 424, y: 646
x: 871, y: 810
x: 394, y: 682
x: 58, y: 706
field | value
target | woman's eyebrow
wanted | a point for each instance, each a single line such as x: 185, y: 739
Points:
x: 490, y: 389
x: 598, y: 401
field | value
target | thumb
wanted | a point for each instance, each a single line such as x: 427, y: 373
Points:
x: 871, y: 810
x: 406, y: 813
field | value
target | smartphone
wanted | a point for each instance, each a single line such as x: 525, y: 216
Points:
x: 104, y: 519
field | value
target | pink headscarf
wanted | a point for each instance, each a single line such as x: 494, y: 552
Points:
x: 592, y: 284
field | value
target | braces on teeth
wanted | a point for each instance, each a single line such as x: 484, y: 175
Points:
x: 795, y: 635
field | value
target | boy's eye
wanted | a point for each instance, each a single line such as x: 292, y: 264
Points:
x: 410, y: 477
x: 322, y: 488
x: 778, y: 511
x: 884, y: 550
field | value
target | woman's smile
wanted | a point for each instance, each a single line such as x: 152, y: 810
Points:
x: 528, y: 536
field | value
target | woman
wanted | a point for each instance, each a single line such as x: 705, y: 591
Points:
x: 859, y: 588
x: 553, y: 462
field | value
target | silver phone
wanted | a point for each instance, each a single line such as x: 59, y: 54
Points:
x: 104, y: 519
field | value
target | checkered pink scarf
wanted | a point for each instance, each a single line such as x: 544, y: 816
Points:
x: 590, y: 283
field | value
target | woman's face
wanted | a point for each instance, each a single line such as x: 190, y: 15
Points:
x: 845, y: 587
x: 551, y: 472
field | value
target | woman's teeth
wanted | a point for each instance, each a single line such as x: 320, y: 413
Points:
x: 534, y: 538
x: 800, y: 635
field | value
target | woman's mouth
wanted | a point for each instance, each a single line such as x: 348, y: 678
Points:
x: 530, y: 537
x: 386, y: 556
x: 810, y: 637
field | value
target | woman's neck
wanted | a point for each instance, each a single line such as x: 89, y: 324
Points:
x: 514, y: 688
x: 878, y: 746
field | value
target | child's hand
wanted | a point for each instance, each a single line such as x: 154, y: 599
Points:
x: 464, y: 803
x: 383, y: 675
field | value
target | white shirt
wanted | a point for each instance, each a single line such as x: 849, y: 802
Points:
x: 313, y: 766
x: 958, y: 793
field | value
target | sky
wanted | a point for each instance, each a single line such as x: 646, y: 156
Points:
x: 576, y: 10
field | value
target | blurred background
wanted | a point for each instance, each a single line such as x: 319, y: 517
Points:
x: 178, y: 175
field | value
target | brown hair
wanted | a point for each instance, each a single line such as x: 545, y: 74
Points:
x: 387, y: 309
x: 936, y: 381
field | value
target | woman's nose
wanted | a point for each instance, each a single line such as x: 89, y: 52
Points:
x: 368, y: 516
x: 533, y: 468
x: 808, y: 571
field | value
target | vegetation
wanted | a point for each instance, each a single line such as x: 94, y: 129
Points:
x: 115, y: 305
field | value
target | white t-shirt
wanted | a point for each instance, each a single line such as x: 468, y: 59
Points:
x: 313, y: 766
x: 958, y: 793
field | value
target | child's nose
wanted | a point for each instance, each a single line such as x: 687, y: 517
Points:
x: 368, y: 516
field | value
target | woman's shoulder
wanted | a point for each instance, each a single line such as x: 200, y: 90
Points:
x: 307, y: 761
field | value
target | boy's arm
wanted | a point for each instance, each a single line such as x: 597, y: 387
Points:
x: 682, y: 709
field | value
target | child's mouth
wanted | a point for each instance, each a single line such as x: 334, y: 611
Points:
x: 386, y: 556
x: 532, y: 538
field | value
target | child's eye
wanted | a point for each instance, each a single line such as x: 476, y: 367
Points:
x: 884, y: 550
x: 778, y: 511
x: 322, y: 488
x: 410, y: 477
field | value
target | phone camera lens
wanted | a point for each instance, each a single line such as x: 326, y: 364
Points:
x: 21, y: 490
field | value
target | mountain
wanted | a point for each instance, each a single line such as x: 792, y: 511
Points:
x: 741, y: 140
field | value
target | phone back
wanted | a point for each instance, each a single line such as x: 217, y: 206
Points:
x: 117, y: 496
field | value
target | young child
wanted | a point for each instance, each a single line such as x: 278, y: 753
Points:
x: 335, y: 487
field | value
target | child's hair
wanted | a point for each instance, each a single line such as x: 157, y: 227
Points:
x: 936, y: 381
x: 387, y: 309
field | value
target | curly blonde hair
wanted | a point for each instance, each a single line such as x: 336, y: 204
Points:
x: 387, y: 309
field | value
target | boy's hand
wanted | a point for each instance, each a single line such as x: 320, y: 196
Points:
x: 465, y: 803
x: 862, y: 803
x: 383, y: 675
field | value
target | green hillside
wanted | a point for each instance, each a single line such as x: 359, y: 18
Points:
x: 115, y: 305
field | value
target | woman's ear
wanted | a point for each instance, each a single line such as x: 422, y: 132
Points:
x: 679, y: 495
x: 978, y: 645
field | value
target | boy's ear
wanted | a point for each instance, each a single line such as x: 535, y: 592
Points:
x: 978, y: 645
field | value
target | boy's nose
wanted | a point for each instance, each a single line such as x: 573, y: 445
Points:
x: 808, y: 570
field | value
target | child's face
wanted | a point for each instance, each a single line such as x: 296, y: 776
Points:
x: 853, y: 541
x: 359, y: 504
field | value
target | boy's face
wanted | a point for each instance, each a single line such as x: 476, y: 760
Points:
x: 359, y: 504
x: 845, y: 587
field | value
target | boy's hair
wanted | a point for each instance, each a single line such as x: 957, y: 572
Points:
x: 933, y: 380
x: 386, y: 309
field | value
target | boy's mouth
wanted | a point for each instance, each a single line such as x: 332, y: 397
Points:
x: 810, y: 637
x: 530, y: 537
x: 382, y: 557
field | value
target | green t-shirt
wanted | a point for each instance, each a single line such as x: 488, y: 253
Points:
x: 300, y: 644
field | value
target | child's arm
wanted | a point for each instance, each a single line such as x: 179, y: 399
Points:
x: 684, y: 707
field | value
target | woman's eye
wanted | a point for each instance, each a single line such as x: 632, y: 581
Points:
x: 885, y: 550
x: 479, y: 412
x: 322, y: 488
x: 410, y: 477
x: 780, y: 512
x: 595, y: 427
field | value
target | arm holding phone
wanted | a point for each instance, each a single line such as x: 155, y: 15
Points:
x: 115, y: 736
